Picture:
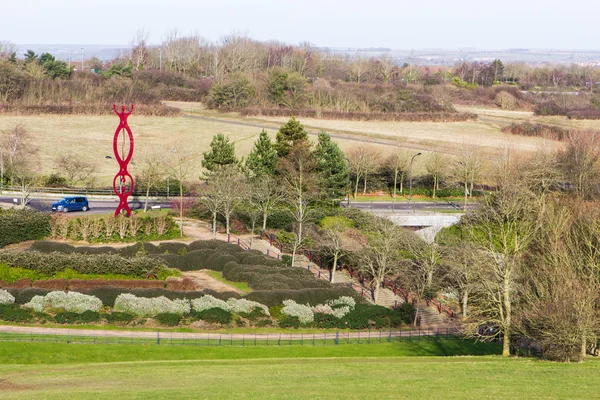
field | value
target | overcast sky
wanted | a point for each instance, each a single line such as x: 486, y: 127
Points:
x: 397, y: 24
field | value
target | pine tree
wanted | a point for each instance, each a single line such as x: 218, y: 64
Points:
x: 289, y: 135
x: 332, y: 168
x: 221, y: 153
x: 262, y: 160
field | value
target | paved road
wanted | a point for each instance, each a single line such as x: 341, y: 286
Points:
x: 96, y: 206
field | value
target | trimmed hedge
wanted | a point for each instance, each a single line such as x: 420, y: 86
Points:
x: 13, y: 313
x: 303, y: 296
x: 168, y: 319
x: 20, y: 225
x: 214, y: 315
x: 51, y: 263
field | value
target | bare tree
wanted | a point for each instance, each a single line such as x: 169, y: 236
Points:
x: 298, y: 178
x: 334, y: 228
x: 464, y: 270
x: 230, y: 190
x: 210, y: 199
x: 76, y: 168
x: 398, y: 162
x: 580, y: 162
x: 363, y: 160
x: 180, y: 163
x: 151, y: 172
x: 465, y: 170
x: 381, y: 256
x: 502, y: 228
x: 436, y: 165
x: 265, y: 194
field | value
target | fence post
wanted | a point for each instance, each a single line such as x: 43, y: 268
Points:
x: 337, y: 336
x: 157, y: 337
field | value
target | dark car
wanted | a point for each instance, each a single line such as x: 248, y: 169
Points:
x: 71, y: 203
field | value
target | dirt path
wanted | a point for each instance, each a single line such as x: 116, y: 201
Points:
x: 204, y: 281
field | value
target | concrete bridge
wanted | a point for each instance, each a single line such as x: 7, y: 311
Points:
x: 431, y: 223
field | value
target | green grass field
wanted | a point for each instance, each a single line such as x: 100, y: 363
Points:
x: 417, y: 370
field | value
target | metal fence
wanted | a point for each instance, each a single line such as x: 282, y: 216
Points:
x: 49, y: 335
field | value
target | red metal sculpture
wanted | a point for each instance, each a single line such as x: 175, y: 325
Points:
x: 125, y: 188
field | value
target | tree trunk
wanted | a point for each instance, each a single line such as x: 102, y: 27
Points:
x: 214, y: 225
x: 401, y: 184
x: 583, y: 348
x: 465, y: 299
x: 507, y: 316
x: 395, y: 182
x: 227, y: 223
x: 356, y: 186
x: 471, y: 190
x: 181, y: 209
x: 147, y: 195
x: 365, y: 187
x: 416, y: 314
x: 434, y: 186
x: 466, y: 190
x: 376, y: 292
x: 335, y: 259
x: 264, y: 225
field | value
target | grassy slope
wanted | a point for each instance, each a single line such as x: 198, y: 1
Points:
x: 360, y: 371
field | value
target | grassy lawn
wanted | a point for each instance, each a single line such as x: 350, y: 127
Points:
x: 243, y: 286
x: 390, y: 370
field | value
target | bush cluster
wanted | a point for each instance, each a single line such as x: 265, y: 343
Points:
x: 537, y: 130
x: 52, y: 263
x: 20, y: 225
x: 6, y: 297
x: 148, y: 307
x: 68, y: 301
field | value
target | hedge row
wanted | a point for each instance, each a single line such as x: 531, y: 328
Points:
x: 312, y: 296
x: 51, y: 263
x: 20, y: 225
x: 158, y: 110
x: 362, y: 116
x: 182, y: 284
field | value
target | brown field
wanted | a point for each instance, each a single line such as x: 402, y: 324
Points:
x: 92, y: 135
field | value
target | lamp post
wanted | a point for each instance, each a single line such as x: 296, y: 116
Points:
x: 411, y: 164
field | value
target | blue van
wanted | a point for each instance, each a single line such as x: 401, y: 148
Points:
x: 71, y: 203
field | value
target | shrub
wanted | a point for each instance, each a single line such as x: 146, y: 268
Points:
x: 36, y: 303
x: 196, y: 259
x: 302, y: 312
x: 148, y: 307
x: 290, y: 322
x: 117, y: 316
x: 108, y: 295
x: 168, y: 319
x: 172, y: 248
x: 69, y: 301
x: 52, y: 263
x: 66, y: 317
x: 6, y: 297
x: 214, y: 315
x: 238, y: 306
x: 303, y: 296
x: 49, y: 247
x: 265, y: 322
x: 323, y: 320
x: 14, y: 313
x: 89, y: 316
x: 364, y: 315
x: 20, y: 225
x: 25, y: 295
x: 208, y: 302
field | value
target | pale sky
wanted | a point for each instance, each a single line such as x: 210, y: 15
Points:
x: 397, y: 24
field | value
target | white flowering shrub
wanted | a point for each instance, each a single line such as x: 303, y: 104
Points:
x: 343, y: 301
x: 304, y: 313
x: 149, y: 307
x: 323, y: 309
x: 71, y: 301
x: 245, y: 306
x: 5, y: 297
x: 207, y: 302
x: 340, y: 312
x: 36, y: 303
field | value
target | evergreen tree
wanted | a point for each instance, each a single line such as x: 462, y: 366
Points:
x: 221, y: 153
x: 262, y: 160
x: 289, y: 135
x: 13, y: 58
x: 30, y: 56
x: 332, y: 168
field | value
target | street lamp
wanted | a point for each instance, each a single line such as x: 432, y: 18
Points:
x: 411, y: 163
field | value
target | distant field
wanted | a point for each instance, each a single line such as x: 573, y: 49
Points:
x: 51, y: 371
x: 92, y: 135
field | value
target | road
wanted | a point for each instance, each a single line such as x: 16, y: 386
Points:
x: 96, y: 206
